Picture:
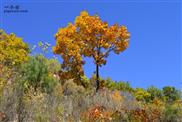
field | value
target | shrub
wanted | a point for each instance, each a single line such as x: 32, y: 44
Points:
x: 173, y: 112
x: 71, y: 88
x: 37, y: 73
x: 141, y: 95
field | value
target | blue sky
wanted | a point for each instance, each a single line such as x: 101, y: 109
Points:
x: 153, y: 57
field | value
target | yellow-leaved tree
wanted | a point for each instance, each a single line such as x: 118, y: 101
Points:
x: 13, y: 51
x: 89, y: 36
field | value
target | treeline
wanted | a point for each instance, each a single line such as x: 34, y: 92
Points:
x: 167, y: 93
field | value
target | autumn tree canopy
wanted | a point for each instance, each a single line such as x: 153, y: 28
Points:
x: 89, y: 36
x: 13, y: 51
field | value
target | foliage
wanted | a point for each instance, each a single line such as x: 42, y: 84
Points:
x: 123, y: 86
x: 13, y: 52
x: 155, y: 93
x: 85, y: 82
x: 142, y: 95
x: 5, y: 75
x: 102, y: 105
x: 88, y: 36
x: 69, y: 102
x: 171, y: 94
x: 173, y: 112
x: 38, y: 73
x: 97, y: 113
x: 53, y: 66
x: 70, y: 88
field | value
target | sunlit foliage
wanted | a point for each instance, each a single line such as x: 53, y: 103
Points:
x: 141, y: 94
x: 123, y: 86
x: 13, y: 52
x: 88, y: 36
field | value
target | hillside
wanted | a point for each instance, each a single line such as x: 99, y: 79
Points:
x: 34, y: 88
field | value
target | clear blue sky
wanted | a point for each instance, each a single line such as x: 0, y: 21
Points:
x: 153, y: 57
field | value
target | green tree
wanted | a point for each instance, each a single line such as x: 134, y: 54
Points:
x: 122, y: 86
x: 171, y: 93
x: 155, y: 93
x: 38, y: 72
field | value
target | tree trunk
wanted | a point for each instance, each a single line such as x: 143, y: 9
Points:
x: 97, y: 70
x: 97, y: 77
